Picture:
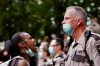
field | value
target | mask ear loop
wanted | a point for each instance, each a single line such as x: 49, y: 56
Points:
x: 23, y: 42
x: 24, y: 45
x: 75, y: 27
x: 28, y: 50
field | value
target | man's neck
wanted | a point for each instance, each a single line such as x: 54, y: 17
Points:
x: 78, y: 32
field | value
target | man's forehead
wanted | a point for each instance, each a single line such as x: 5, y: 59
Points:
x: 69, y: 13
x: 53, y: 42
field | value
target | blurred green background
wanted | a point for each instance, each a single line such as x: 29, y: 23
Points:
x: 40, y: 18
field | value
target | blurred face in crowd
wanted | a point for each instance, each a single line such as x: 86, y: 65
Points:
x: 55, y: 46
x: 42, y: 54
x: 44, y: 44
x: 95, y: 26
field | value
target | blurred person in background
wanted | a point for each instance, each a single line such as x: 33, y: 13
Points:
x: 56, y: 48
x: 95, y: 27
x: 44, y: 44
x: 43, y: 56
x: 4, y: 56
x: 67, y: 42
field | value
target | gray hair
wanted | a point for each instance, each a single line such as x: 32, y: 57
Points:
x: 80, y: 12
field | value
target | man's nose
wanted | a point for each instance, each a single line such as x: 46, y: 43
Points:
x: 63, y: 22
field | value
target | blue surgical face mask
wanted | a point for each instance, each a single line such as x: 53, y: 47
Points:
x: 51, y: 50
x: 67, y: 29
x: 40, y: 55
x: 30, y: 52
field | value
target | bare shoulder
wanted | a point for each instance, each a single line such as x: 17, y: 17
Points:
x: 22, y: 62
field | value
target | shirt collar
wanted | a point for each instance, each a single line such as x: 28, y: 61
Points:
x: 81, y: 40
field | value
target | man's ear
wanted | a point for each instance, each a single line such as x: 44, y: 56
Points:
x: 79, y: 21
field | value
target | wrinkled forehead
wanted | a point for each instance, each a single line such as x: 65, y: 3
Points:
x: 53, y: 42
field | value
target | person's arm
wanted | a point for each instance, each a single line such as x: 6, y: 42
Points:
x: 94, y: 53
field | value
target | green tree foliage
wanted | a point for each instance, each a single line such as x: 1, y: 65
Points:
x: 38, y: 17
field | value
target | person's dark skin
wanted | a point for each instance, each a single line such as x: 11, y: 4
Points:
x: 28, y: 42
x: 21, y: 43
x: 22, y: 63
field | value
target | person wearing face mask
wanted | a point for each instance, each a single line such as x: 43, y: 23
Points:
x: 43, y: 56
x: 56, y: 52
x: 21, y: 44
x: 85, y: 48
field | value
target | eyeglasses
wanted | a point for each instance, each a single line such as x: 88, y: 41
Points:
x: 54, y: 45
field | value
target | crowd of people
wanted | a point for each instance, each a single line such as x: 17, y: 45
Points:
x: 82, y: 47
